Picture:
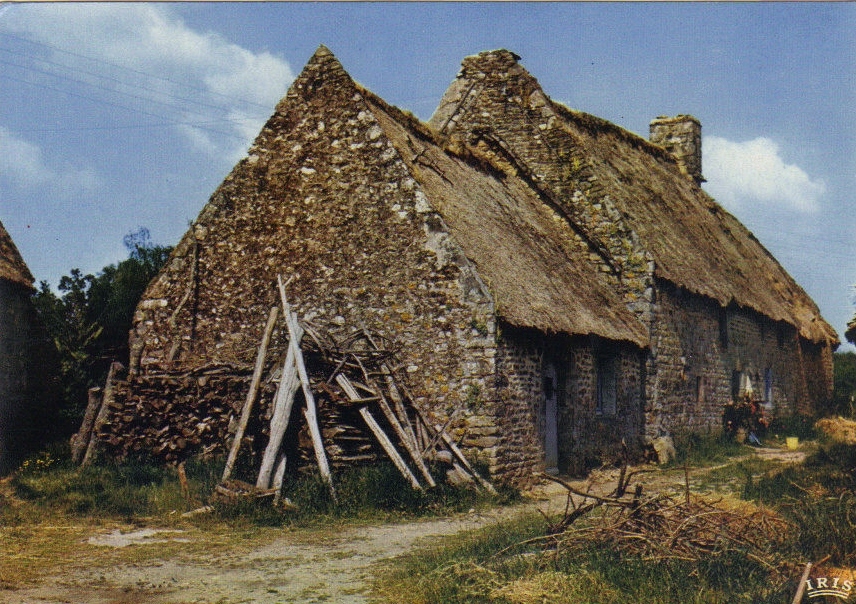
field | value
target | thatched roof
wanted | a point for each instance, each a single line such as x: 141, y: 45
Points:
x: 12, y: 267
x: 694, y: 243
x: 526, y: 253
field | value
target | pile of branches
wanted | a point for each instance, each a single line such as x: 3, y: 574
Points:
x: 661, y: 526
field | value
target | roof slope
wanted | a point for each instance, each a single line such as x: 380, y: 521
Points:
x: 12, y: 266
x: 694, y: 242
x: 526, y: 253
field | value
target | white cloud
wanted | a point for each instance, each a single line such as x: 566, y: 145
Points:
x: 22, y: 163
x: 752, y: 173
x: 150, y: 60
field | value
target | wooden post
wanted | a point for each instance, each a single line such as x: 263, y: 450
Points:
x: 251, y: 395
x: 310, y: 411
x: 80, y: 441
x: 384, y: 441
x: 278, y: 478
x: 289, y: 383
x: 103, y: 413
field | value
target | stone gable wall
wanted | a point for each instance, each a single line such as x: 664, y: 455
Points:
x: 500, y: 111
x: 324, y: 199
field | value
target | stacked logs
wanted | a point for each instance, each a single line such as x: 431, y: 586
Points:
x: 350, y: 405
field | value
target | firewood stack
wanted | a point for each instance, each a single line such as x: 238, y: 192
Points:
x: 329, y: 402
x: 357, y: 410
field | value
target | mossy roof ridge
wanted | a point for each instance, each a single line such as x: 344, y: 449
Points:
x: 526, y: 253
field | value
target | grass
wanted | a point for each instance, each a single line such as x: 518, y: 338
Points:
x: 49, y: 507
x: 699, y: 450
x: 468, y: 569
x: 818, y: 498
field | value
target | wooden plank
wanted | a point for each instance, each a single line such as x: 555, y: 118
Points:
x: 279, y: 477
x: 457, y: 453
x: 251, y: 395
x: 289, y: 384
x: 310, y: 411
x: 349, y: 389
x: 80, y: 441
x: 405, y: 440
x: 384, y: 441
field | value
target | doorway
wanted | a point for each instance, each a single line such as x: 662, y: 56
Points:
x: 551, y: 419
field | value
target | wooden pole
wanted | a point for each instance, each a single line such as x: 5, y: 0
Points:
x: 278, y: 478
x: 349, y: 389
x: 80, y: 441
x: 310, y: 411
x: 384, y: 441
x: 251, y: 395
x: 289, y: 384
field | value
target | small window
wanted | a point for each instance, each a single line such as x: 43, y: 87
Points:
x: 736, y: 383
x: 700, y: 386
x: 723, y: 328
x: 607, y: 386
x: 768, y: 387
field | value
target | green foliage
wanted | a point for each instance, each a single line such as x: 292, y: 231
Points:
x: 89, y: 320
x: 126, y: 490
x: 844, y: 380
x: 704, y: 449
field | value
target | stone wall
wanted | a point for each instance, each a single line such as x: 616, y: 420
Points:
x: 585, y: 438
x: 501, y: 112
x: 28, y: 370
x: 15, y: 315
x: 325, y: 200
x: 697, y: 347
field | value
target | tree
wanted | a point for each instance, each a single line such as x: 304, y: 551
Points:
x: 90, y: 319
x: 844, y: 380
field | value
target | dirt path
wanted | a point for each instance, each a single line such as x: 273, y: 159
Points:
x: 332, y: 569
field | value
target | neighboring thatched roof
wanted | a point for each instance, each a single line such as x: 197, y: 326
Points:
x: 526, y: 253
x: 12, y: 267
x: 694, y: 243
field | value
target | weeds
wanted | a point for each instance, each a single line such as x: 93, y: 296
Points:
x: 700, y: 450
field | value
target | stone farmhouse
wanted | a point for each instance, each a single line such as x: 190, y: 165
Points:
x: 22, y: 360
x: 555, y: 285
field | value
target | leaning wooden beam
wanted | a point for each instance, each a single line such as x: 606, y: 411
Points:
x: 310, y: 411
x: 279, y: 477
x: 289, y: 384
x: 384, y: 441
x: 251, y: 395
x: 396, y: 426
x: 80, y: 441
x: 103, y: 413
x: 457, y: 453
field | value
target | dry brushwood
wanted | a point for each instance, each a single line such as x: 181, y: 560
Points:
x: 660, y: 526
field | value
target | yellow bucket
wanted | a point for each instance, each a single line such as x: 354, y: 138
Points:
x: 792, y: 443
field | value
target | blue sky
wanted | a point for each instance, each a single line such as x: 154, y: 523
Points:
x: 116, y: 116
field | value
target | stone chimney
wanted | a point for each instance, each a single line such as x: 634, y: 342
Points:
x: 680, y: 136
